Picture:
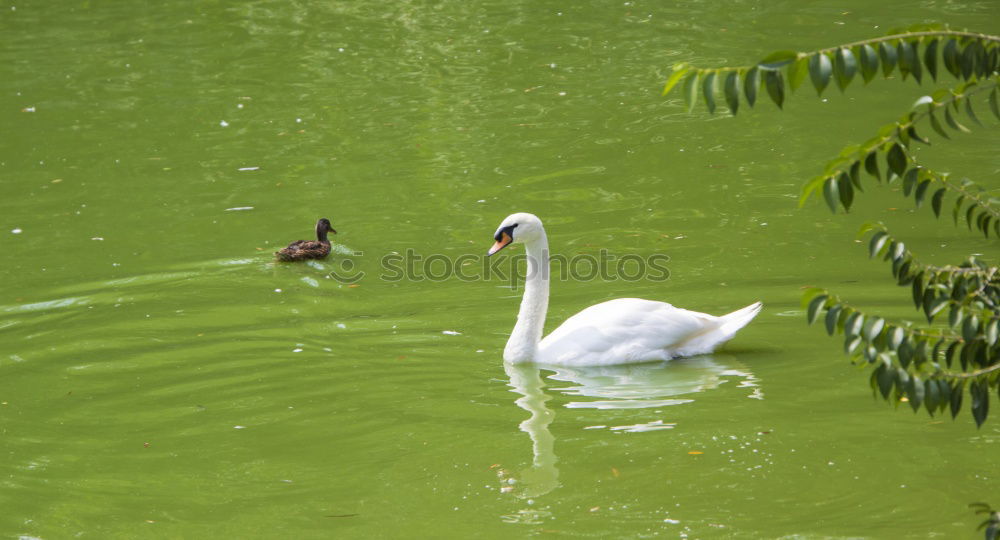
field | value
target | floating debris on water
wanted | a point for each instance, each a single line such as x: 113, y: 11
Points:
x: 223, y: 123
x: 239, y: 208
x: 16, y: 230
x: 451, y: 333
x: 248, y: 169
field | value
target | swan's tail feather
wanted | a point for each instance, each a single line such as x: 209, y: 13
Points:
x: 732, y: 322
x: 718, y: 331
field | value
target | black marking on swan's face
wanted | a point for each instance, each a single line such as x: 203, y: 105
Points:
x: 504, y: 237
x: 509, y: 230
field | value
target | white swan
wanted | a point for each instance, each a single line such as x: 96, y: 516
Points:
x: 621, y: 331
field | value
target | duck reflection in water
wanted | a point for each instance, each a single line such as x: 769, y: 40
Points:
x: 633, y: 386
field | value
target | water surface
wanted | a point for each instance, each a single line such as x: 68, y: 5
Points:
x: 161, y: 376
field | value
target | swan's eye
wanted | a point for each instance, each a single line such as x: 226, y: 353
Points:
x: 508, y: 229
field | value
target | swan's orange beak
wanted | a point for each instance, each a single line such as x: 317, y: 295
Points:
x: 503, y: 242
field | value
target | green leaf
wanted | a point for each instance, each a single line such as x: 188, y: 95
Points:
x: 797, y: 72
x: 904, y: 353
x: 887, y: 53
x: 732, y: 91
x: 831, y: 193
x: 778, y: 59
x: 869, y: 61
x: 949, y: 355
x: 917, y: 290
x: 855, y: 175
x: 908, y: 61
x: 979, y: 392
x: 871, y: 165
x: 937, y: 126
x: 971, y: 113
x: 679, y: 71
x: 775, y: 84
x: 930, y: 57
x: 955, y: 315
x: 921, y: 192
x: 932, y: 396
x: 809, y: 294
x: 844, y: 67
x: 967, y: 60
x: 950, y: 120
x: 923, y: 100
x: 910, y: 180
x: 866, y: 228
x: 958, y: 208
x: 896, y: 159
x: 950, y: 55
x: 937, y: 200
x: 993, y: 104
x: 915, y: 392
x: 885, y: 379
x: 902, y: 379
x: 816, y: 306
x: 877, y: 243
x: 992, y: 333
x: 903, y: 276
x: 851, y: 345
x: 751, y: 84
x: 846, y: 190
x: 970, y: 328
x: 912, y: 132
x: 873, y: 328
x: 896, y: 337
x: 935, y: 307
x: 820, y: 70
x: 832, y: 316
x: 853, y: 324
x: 897, y: 250
x: 708, y: 90
x: 955, y: 399
x: 691, y: 90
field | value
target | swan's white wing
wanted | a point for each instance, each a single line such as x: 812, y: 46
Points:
x: 628, y: 330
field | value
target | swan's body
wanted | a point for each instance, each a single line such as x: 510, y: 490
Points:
x: 622, y: 331
x: 301, y: 250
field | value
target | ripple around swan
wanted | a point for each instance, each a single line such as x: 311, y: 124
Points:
x: 651, y: 385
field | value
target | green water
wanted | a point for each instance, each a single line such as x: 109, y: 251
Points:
x: 162, y: 377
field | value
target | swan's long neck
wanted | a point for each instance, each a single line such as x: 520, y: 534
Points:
x: 523, y: 343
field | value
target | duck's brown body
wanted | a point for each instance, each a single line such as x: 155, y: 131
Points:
x: 302, y: 250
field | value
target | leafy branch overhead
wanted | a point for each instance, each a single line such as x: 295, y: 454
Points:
x: 937, y: 365
x: 914, y: 364
x: 966, y: 55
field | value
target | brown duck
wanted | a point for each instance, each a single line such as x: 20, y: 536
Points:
x: 309, y: 249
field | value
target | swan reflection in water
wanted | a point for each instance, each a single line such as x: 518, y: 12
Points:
x: 635, y: 386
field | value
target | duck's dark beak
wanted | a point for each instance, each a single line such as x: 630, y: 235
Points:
x: 503, y: 242
x: 334, y: 231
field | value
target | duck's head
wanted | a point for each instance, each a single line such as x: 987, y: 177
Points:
x: 323, y: 225
x: 521, y: 227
